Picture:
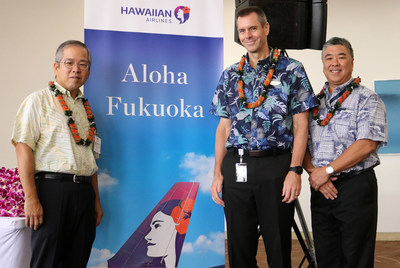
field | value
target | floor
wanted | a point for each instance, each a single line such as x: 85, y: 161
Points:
x: 387, y: 255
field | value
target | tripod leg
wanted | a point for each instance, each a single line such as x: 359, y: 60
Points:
x: 302, y: 243
x: 310, y: 251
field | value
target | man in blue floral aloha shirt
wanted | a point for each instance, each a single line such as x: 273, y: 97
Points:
x: 346, y: 131
x: 263, y: 104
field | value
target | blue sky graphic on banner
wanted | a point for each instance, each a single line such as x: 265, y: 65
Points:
x: 150, y: 93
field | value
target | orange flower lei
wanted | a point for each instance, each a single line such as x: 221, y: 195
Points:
x: 71, y: 122
x: 266, y: 84
x: 315, y: 113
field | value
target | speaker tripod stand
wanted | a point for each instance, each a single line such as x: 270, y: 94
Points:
x: 307, y: 245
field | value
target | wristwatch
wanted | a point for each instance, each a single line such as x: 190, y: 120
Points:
x: 329, y: 169
x: 296, y: 169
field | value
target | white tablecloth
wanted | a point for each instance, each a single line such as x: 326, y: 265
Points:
x: 15, y: 243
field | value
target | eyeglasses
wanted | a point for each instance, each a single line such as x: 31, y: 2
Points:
x: 82, y: 65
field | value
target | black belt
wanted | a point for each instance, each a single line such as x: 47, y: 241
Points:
x: 353, y: 173
x: 259, y: 153
x: 63, y: 177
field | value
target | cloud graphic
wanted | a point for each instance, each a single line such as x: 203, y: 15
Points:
x: 215, y: 243
x: 201, y: 167
x: 99, y: 257
x: 187, y: 248
x: 105, y: 180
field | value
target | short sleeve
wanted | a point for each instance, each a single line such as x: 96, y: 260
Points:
x: 372, y: 120
x: 219, y: 105
x: 27, y: 122
x: 302, y: 95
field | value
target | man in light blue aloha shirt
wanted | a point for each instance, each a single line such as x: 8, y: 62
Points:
x: 272, y: 131
x: 346, y: 131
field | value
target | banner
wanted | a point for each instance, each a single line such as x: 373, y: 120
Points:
x: 155, y: 66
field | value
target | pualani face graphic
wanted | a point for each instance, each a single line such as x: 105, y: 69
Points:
x: 165, y: 230
x: 182, y: 13
x: 168, y: 227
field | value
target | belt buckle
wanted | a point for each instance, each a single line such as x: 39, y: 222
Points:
x: 74, y: 179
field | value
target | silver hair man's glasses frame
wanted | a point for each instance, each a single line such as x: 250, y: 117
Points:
x: 82, y: 65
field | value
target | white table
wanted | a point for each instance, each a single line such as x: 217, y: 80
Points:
x: 15, y: 243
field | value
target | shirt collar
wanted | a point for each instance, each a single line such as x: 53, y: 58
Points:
x: 337, y: 89
x: 263, y: 62
x: 66, y: 92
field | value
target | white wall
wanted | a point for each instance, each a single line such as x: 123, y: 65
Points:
x: 32, y: 30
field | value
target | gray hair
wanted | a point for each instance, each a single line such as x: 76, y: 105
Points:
x: 60, y: 50
x: 338, y: 41
x: 262, y: 18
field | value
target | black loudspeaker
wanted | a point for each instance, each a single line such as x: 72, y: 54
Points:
x: 294, y: 24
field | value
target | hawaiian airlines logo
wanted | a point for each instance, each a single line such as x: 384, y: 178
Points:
x: 154, y: 15
x: 182, y: 14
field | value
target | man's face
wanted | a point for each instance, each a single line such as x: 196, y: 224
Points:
x: 252, y: 34
x: 338, y: 65
x: 74, y: 77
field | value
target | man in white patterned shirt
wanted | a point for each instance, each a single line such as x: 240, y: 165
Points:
x: 54, y: 133
x: 345, y: 133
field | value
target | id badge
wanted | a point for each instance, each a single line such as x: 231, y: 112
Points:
x: 241, y: 172
x: 97, y: 144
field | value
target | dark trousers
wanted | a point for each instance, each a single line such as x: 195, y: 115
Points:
x: 258, y: 202
x: 344, y: 229
x: 69, y: 225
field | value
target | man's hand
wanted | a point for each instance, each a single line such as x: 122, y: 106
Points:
x: 291, y: 187
x: 98, y: 211
x: 216, y: 188
x: 33, y: 213
x: 329, y: 190
x: 292, y: 184
x: 318, y: 178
